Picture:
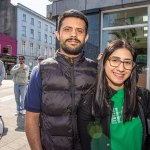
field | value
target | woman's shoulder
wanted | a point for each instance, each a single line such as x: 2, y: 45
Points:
x: 143, y: 92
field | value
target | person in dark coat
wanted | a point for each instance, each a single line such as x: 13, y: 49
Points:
x: 61, y: 90
x: 122, y: 109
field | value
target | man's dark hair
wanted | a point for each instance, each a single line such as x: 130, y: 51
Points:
x: 21, y: 56
x: 72, y: 13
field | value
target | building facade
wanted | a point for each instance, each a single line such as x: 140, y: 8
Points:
x: 8, y: 51
x: 35, y: 35
x: 110, y: 20
x: 7, y: 15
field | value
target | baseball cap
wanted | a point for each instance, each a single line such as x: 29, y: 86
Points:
x: 40, y: 58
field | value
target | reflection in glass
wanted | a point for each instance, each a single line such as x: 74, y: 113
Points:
x: 125, y: 17
x: 92, y: 45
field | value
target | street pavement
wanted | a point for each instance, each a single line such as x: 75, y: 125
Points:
x: 14, y: 137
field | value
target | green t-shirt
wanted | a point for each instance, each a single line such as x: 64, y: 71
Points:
x: 128, y: 135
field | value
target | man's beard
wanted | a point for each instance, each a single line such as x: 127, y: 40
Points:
x: 72, y: 51
x: 22, y: 62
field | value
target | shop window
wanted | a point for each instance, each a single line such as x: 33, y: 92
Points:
x: 125, y: 17
x: 5, y: 50
x: 9, y: 49
x: 132, y: 25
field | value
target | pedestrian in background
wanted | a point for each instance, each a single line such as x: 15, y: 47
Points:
x: 20, y: 74
x: 2, y: 72
x: 122, y: 108
x: 60, y: 92
x: 39, y: 59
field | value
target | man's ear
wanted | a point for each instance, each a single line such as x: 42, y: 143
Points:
x: 86, y: 38
x: 57, y: 35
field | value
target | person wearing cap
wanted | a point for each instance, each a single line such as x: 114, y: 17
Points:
x: 39, y: 59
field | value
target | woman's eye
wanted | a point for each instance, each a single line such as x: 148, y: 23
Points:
x: 128, y: 62
x: 114, y: 60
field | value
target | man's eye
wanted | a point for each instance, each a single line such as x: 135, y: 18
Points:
x: 67, y: 29
x: 80, y: 31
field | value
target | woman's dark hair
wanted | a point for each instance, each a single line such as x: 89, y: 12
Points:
x: 72, y: 13
x: 130, y: 103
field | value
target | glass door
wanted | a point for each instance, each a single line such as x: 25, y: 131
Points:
x: 132, y: 25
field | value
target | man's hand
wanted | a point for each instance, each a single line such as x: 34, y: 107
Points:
x: 22, y: 66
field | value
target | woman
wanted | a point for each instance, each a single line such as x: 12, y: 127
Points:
x: 121, y: 107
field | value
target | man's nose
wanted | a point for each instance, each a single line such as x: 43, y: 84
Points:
x: 73, y: 32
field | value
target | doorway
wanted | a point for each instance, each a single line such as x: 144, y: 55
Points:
x: 131, y: 24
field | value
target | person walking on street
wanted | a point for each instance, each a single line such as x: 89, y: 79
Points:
x: 20, y: 74
x: 39, y: 59
x: 2, y: 72
x: 59, y: 98
x: 122, y: 109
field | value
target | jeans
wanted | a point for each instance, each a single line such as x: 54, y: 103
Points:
x: 20, y: 91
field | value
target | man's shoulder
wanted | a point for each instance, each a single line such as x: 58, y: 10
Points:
x: 91, y: 62
x: 49, y: 60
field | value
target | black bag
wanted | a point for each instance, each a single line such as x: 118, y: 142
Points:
x: 147, y: 140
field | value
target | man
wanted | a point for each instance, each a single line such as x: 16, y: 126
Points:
x: 39, y: 59
x: 61, y: 90
x: 20, y: 74
x: 2, y: 72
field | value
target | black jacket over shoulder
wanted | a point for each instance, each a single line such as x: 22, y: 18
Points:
x: 67, y: 94
x: 143, y: 97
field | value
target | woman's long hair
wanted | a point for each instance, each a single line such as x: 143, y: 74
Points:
x: 130, y: 103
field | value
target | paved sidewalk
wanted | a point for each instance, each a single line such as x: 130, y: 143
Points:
x: 14, y: 133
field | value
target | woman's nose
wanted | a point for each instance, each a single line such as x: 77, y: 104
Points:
x: 121, y: 67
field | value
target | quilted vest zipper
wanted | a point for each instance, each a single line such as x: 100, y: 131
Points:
x: 74, y: 115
